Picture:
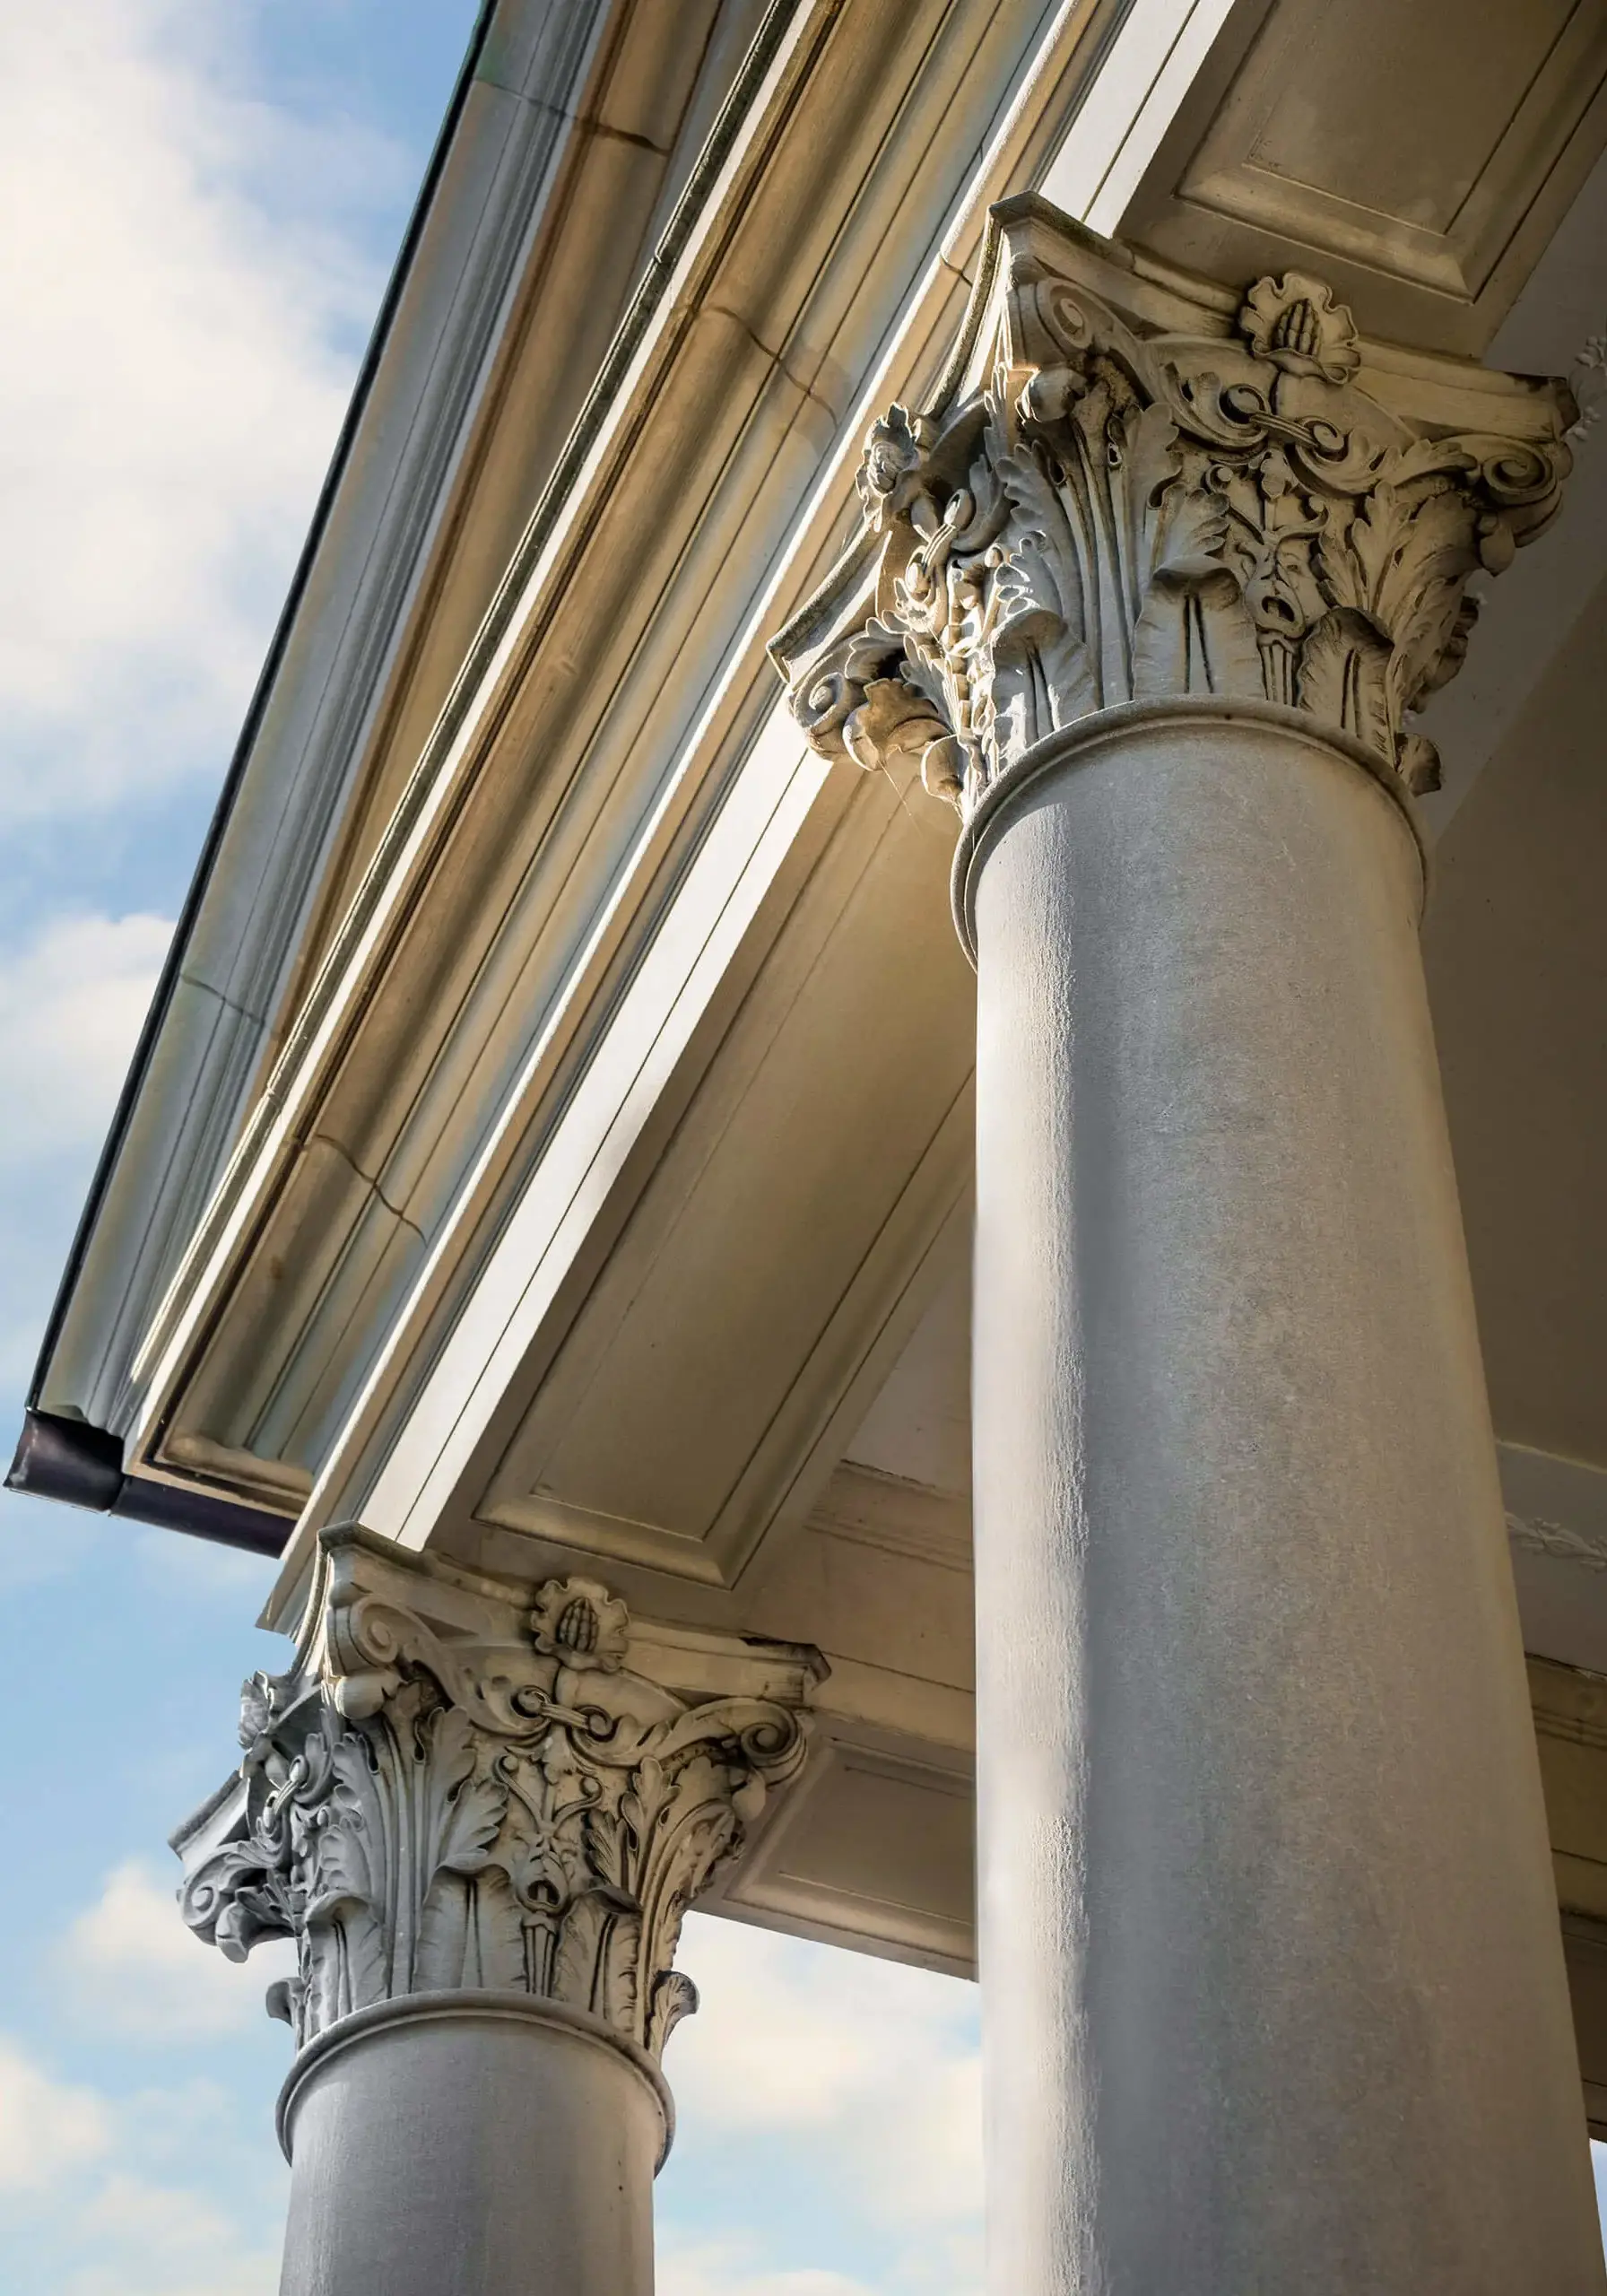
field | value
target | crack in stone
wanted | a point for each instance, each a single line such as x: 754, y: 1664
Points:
x: 367, y: 1180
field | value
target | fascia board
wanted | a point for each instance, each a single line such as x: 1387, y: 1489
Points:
x: 480, y: 708
x: 286, y: 791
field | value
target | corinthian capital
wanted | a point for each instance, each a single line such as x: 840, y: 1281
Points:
x: 462, y: 1785
x: 1134, y: 485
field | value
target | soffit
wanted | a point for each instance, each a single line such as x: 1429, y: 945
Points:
x: 778, y: 1235
x: 1417, y: 157
x: 598, y: 726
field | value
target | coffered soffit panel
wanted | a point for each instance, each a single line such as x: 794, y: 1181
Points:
x: 1417, y: 157
x: 778, y: 1235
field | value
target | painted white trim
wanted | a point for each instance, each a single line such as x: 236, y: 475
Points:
x: 669, y: 995
x: 1153, y: 64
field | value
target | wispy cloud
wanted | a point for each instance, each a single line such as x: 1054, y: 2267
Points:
x: 863, y: 2077
x: 128, y: 1969
x: 880, y: 2060
x: 166, y: 2238
x: 187, y: 356
x: 82, y: 2212
x: 72, y: 999
x: 99, y: 2190
x: 730, y: 2269
x: 47, y: 2128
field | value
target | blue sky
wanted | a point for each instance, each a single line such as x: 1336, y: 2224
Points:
x: 202, y: 197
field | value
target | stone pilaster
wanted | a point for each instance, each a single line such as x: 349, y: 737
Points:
x: 463, y: 1787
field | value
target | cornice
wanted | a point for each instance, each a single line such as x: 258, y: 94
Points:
x: 305, y: 739
x: 590, y: 850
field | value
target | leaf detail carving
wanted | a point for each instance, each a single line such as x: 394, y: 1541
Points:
x: 1114, y: 515
x: 545, y: 1827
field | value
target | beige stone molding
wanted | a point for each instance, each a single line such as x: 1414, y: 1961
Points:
x: 466, y: 1784
x: 1139, y: 485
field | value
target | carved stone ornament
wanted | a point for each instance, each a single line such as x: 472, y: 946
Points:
x: 457, y: 1789
x: 1132, y: 485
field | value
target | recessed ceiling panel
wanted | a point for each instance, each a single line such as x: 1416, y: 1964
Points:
x: 1419, y: 157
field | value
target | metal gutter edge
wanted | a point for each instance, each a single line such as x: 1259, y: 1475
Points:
x: 68, y: 1460
x: 255, y: 710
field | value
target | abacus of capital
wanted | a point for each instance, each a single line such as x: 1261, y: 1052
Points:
x: 1273, y: 1992
x: 1273, y: 1997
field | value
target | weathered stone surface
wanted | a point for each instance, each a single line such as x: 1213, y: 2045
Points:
x: 1133, y: 494
x: 453, y: 1792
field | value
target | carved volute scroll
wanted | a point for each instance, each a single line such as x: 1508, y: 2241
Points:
x: 452, y: 1791
x: 1132, y: 486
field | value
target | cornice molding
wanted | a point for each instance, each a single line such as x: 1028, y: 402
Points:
x: 560, y: 878
x: 458, y: 1788
x: 1138, y: 486
x: 496, y: 189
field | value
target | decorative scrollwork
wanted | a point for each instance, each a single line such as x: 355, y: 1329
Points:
x: 1117, y: 512
x: 425, y: 1810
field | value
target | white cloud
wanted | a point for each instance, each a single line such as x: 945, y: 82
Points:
x: 876, y: 2062
x: 47, y: 2129
x: 167, y: 2241
x: 182, y: 350
x: 82, y: 2218
x: 71, y: 1003
x: 730, y: 2269
x: 130, y: 1970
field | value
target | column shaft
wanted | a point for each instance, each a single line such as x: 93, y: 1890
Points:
x: 1274, y: 1997
x: 480, y: 2144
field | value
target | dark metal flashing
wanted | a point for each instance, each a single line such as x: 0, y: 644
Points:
x: 67, y: 1459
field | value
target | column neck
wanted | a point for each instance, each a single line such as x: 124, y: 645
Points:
x: 477, y: 2007
x: 1127, y: 725
x: 466, y: 1785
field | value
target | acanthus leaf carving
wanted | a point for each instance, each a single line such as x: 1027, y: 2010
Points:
x: 1113, y: 509
x: 422, y: 1808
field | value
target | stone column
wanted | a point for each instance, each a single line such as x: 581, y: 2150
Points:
x: 1273, y: 1995
x: 481, y: 1814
